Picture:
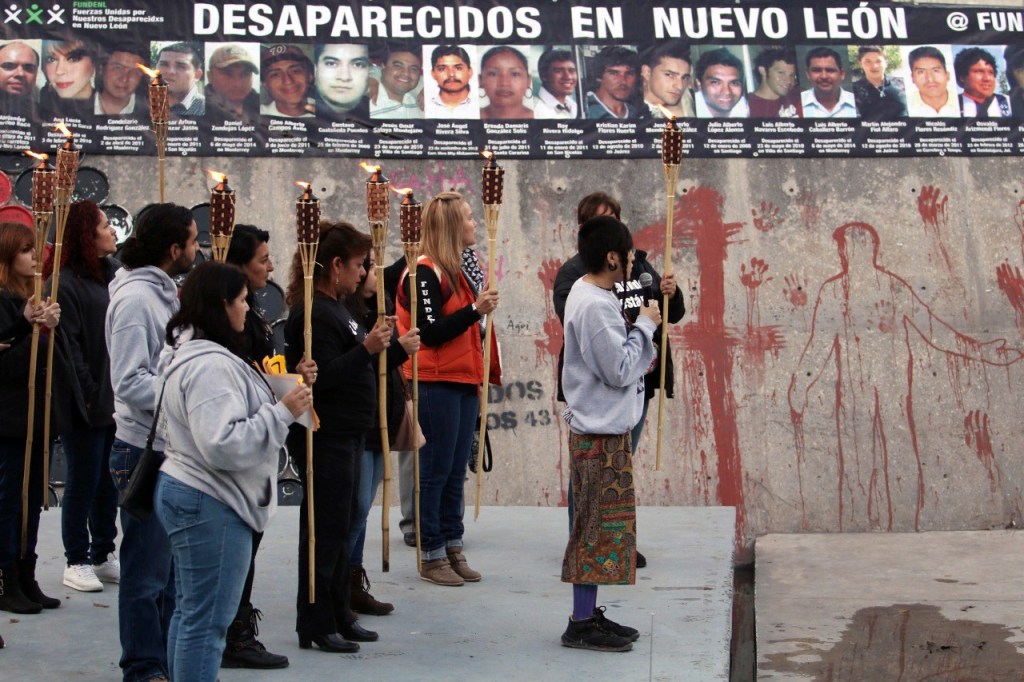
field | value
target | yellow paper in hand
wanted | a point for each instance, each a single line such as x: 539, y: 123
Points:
x: 274, y: 365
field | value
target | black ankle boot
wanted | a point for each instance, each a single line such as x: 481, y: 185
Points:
x: 27, y: 579
x: 11, y: 597
x: 243, y: 650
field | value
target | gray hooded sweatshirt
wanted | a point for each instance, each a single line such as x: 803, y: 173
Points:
x: 142, y: 301
x: 223, y: 428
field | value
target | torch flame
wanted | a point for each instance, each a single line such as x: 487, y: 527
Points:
x: 304, y: 185
x: 487, y: 154
x: 35, y: 155
x: 61, y: 128
x: 402, y: 190
x: 148, y: 71
x: 668, y: 114
x: 215, y: 176
x: 368, y: 168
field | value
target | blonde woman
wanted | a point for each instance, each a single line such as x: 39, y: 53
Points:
x: 70, y: 70
x: 450, y: 309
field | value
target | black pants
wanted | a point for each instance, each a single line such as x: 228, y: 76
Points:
x: 335, y: 505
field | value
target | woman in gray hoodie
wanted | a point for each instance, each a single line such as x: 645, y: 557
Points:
x: 223, y: 428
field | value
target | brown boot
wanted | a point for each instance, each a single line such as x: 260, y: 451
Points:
x: 440, y: 572
x: 461, y: 566
x: 361, y: 600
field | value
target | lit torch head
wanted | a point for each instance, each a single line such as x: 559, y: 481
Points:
x: 411, y: 213
x: 43, y: 180
x: 222, y: 206
x: 221, y: 179
x: 378, y: 198
x: 67, y: 158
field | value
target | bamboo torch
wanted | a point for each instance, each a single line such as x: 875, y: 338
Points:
x: 159, y: 112
x: 411, y: 213
x: 671, y: 158
x: 378, y: 209
x: 307, y: 222
x: 67, y: 173
x: 43, y: 187
x: 493, y: 183
x: 222, y: 216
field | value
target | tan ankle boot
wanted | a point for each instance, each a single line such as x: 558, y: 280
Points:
x: 461, y: 566
x: 440, y: 572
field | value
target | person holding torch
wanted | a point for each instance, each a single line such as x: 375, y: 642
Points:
x: 450, y: 374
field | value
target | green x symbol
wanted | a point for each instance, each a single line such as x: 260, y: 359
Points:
x: 35, y: 14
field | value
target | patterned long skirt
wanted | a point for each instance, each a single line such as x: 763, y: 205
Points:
x: 602, y: 543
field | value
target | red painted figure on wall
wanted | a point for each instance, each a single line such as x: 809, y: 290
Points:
x: 865, y: 325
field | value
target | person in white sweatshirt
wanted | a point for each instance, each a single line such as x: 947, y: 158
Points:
x: 606, y: 359
x: 222, y: 429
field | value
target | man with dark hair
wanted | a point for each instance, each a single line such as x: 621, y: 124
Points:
x: 143, y: 297
x: 777, y: 95
x: 19, y: 68
x: 559, y: 78
x: 181, y: 65
x: 826, y: 99
x: 229, y: 84
x: 342, y: 77
x: 976, y: 72
x: 452, y: 70
x: 287, y: 79
x: 928, y: 73
x: 119, y: 80
x: 667, y: 81
x: 878, y: 97
x: 615, y: 71
x: 400, y: 75
x: 721, y: 89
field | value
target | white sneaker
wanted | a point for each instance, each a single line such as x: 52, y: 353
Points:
x: 81, y: 577
x: 110, y: 570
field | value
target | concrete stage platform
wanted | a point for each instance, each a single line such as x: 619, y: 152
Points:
x: 506, y: 627
x: 939, y: 606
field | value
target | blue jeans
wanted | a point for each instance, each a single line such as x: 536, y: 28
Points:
x: 448, y: 417
x: 371, y: 473
x: 145, y: 600
x: 12, y: 468
x: 89, y: 506
x: 212, y: 548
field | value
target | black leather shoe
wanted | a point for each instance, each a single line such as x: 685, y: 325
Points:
x: 354, y: 632
x: 409, y: 539
x: 334, y: 643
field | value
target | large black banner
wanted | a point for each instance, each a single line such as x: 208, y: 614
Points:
x: 533, y: 79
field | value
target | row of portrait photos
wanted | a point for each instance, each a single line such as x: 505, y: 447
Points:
x: 41, y: 79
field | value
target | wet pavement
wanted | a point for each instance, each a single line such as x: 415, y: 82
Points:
x: 939, y: 606
x: 506, y: 627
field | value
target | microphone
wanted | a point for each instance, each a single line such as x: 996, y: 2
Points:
x: 646, y: 281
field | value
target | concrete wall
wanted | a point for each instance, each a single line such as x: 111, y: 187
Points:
x: 911, y: 421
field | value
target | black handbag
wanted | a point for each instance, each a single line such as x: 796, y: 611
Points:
x: 137, y: 496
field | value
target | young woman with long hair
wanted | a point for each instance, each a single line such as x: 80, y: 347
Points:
x: 89, y: 506
x: 223, y: 429
x: 450, y: 375
x: 19, y: 592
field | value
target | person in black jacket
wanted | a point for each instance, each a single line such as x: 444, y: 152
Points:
x: 344, y: 397
x: 598, y: 204
x: 371, y: 472
x: 250, y: 252
x: 89, y: 506
x: 19, y: 592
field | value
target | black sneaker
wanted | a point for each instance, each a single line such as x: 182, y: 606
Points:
x: 409, y: 539
x: 589, y: 634
x: 624, y: 631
